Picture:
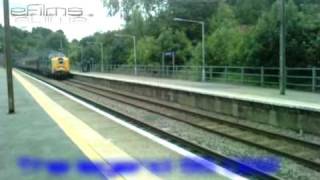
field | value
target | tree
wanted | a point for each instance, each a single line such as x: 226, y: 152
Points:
x: 226, y: 43
x: 238, y: 32
x: 126, y: 7
x: 56, y: 41
x: 264, y: 49
x: 302, y: 38
x: 249, y: 11
x: 148, y: 51
x: 120, y: 51
x: 136, y: 24
x: 175, y: 41
x: 74, y: 52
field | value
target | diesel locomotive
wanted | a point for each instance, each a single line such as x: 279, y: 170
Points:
x: 52, y: 64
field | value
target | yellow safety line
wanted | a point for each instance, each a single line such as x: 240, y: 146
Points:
x: 91, y: 143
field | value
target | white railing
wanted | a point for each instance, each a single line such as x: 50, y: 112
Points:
x: 297, y: 78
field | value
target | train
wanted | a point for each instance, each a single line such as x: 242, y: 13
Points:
x: 52, y: 64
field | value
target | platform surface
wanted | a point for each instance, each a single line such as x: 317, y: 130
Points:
x: 292, y: 99
x: 30, y: 135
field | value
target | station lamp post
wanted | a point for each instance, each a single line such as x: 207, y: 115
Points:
x: 202, y: 23
x: 134, y: 49
x: 8, y: 59
x: 102, y: 54
x: 283, y: 69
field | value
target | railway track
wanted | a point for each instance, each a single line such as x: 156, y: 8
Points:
x: 304, y: 152
x: 301, y: 151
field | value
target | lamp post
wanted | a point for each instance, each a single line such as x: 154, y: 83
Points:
x: 283, y: 70
x: 7, y: 51
x: 134, y: 49
x: 202, y: 23
x: 101, y: 55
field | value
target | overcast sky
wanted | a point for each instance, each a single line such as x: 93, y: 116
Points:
x: 94, y: 12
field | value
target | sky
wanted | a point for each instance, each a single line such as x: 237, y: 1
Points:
x: 94, y: 17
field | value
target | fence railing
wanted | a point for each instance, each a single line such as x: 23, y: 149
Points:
x: 297, y: 78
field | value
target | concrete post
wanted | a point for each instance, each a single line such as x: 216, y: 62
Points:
x: 7, y: 52
x: 203, y: 53
x: 173, y: 63
x: 162, y: 64
x: 283, y: 71
x: 135, y: 55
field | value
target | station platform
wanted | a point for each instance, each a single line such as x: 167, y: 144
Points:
x: 53, y: 136
x: 258, y: 107
x: 293, y: 99
x: 31, y: 135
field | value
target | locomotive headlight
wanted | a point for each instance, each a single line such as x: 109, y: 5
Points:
x: 60, y: 60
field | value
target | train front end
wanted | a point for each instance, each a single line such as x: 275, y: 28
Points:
x: 60, y: 66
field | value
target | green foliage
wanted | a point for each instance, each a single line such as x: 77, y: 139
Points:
x: 224, y: 17
x: 175, y: 41
x: 226, y: 45
x: 302, y: 38
x: 148, y: 51
x: 136, y: 24
x: 74, y: 52
x: 264, y: 49
x: 238, y: 32
x: 126, y: 7
x: 56, y: 41
x: 249, y: 11
x: 38, y: 41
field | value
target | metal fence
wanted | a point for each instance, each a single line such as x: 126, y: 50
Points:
x: 307, y: 79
